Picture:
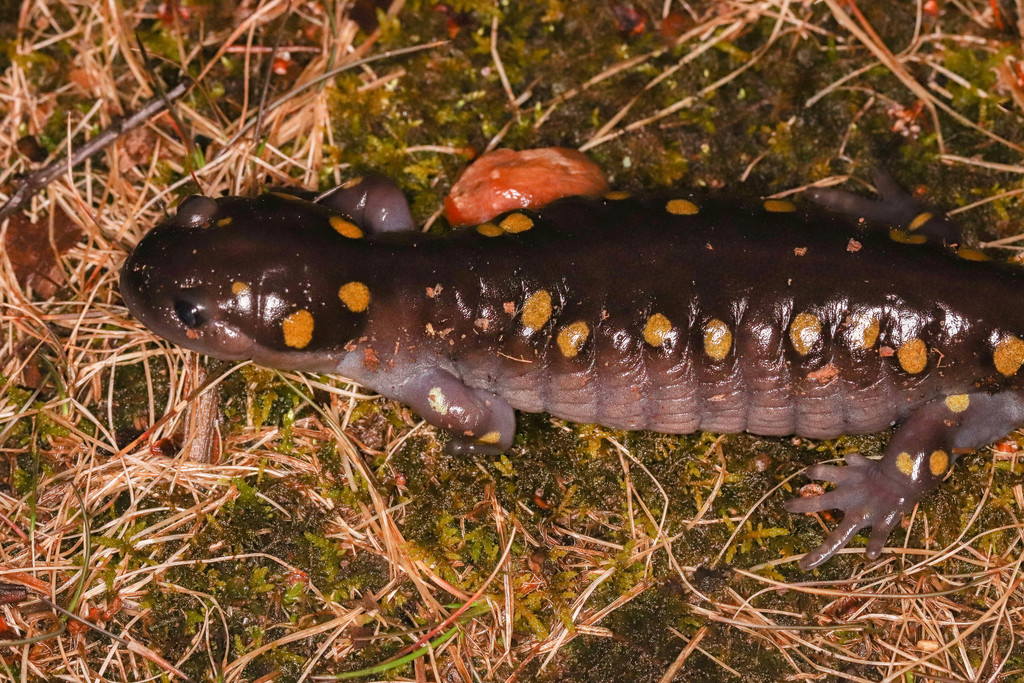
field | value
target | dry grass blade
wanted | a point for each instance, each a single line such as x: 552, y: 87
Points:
x: 867, y: 36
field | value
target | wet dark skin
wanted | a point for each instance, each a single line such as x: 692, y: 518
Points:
x: 670, y: 312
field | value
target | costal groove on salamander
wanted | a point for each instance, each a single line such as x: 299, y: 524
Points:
x: 619, y: 383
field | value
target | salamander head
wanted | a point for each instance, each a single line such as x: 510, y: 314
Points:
x: 238, y: 278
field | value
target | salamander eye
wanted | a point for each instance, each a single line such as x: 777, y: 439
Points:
x: 189, y: 313
x: 196, y: 211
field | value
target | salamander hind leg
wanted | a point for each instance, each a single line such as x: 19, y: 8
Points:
x: 877, y: 493
x: 479, y: 421
x: 896, y: 208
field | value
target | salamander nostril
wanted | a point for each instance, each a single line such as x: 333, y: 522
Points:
x: 189, y: 313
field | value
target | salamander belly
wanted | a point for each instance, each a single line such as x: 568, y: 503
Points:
x: 625, y: 384
x: 680, y: 400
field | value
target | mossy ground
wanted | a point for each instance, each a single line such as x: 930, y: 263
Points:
x: 303, y: 548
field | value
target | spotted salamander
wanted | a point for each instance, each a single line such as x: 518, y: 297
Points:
x: 670, y: 313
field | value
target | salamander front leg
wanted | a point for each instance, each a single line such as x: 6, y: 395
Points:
x: 479, y: 421
x: 373, y: 202
x: 877, y: 493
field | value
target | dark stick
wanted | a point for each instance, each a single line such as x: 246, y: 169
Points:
x: 131, y: 645
x: 38, y: 180
x: 12, y: 593
x: 266, y: 77
x: 190, y: 145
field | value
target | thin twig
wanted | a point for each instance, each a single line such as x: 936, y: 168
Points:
x: 38, y: 180
x: 266, y: 77
x: 128, y: 643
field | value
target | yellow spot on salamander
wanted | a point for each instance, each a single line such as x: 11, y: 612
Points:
x: 938, y: 461
x: 239, y: 288
x: 865, y: 331
x: 657, y: 329
x: 345, y: 227
x: 805, y: 332
x: 779, y: 206
x: 616, y: 195
x: 438, y: 402
x: 355, y: 296
x: 224, y: 222
x: 918, y: 221
x: 537, y: 310
x: 489, y: 230
x: 298, y: 329
x: 903, y: 237
x: 958, y: 403
x: 516, y: 222
x: 968, y: 254
x: 904, y: 463
x: 682, y: 207
x: 572, y: 338
x: 717, y: 339
x: 1009, y: 355
x: 913, y: 355
x: 490, y: 438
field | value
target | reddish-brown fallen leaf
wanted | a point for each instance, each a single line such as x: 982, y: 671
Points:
x: 34, y: 249
x: 504, y: 180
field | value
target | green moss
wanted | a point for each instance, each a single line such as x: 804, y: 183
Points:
x: 646, y: 642
x: 257, y: 591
